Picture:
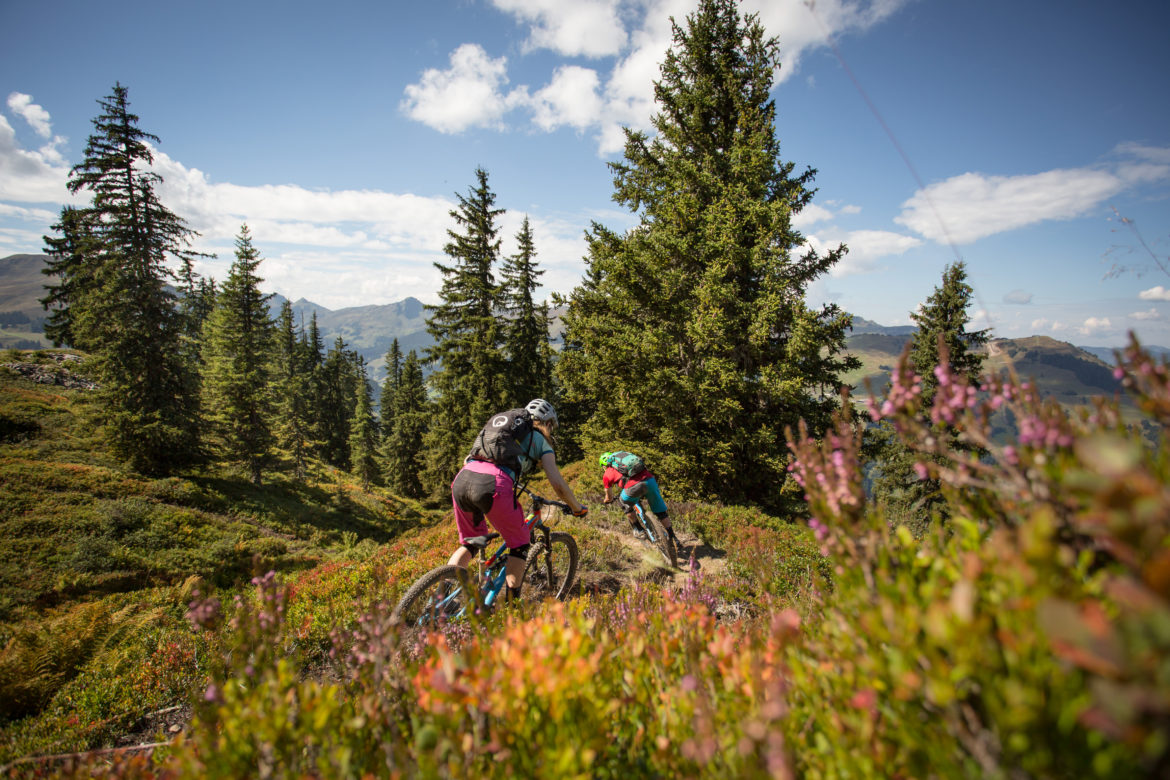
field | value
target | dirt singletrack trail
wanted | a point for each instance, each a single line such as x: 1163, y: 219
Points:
x: 614, y: 558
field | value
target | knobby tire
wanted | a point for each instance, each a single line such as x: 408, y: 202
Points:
x: 662, y: 540
x: 539, y: 583
x: 416, y: 608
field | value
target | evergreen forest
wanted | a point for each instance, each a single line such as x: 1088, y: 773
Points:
x: 208, y: 512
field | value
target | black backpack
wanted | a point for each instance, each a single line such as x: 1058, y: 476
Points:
x: 499, y: 441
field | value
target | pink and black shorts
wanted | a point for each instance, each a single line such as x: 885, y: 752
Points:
x: 482, y: 489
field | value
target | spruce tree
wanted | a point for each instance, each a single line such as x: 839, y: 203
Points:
x: 470, y: 378
x: 695, y: 338
x: 237, y: 349
x: 293, y: 373
x: 73, y: 263
x: 526, y: 329
x: 337, y: 403
x: 403, y: 445
x: 390, y: 385
x: 363, y: 429
x: 942, y: 321
x: 116, y: 263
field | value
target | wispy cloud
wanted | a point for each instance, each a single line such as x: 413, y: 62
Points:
x: 1018, y: 297
x: 971, y: 206
x: 1150, y: 315
x: 866, y: 247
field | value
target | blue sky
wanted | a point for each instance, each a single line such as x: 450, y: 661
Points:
x: 1013, y: 134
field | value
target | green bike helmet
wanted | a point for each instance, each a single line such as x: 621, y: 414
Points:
x: 605, y: 459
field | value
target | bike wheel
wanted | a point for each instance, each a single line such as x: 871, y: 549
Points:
x: 661, y: 541
x: 439, y: 596
x: 550, y: 572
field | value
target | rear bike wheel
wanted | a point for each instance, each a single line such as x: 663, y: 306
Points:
x: 550, y: 572
x: 657, y: 536
x: 441, y: 595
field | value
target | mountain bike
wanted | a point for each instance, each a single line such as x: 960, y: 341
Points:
x: 448, y: 593
x: 654, y: 532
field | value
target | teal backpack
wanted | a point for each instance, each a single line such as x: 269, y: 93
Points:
x: 628, y: 464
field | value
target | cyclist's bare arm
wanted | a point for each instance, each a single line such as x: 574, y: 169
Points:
x: 559, y: 486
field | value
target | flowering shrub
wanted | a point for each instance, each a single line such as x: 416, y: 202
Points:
x: 1030, y: 633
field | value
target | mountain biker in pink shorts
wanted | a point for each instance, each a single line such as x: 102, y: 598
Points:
x: 485, y: 488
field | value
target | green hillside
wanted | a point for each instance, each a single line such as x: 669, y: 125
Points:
x: 1060, y: 370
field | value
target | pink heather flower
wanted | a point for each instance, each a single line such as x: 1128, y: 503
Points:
x: 1010, y: 455
x: 921, y: 470
x: 864, y: 699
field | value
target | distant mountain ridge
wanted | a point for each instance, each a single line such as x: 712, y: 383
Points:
x: 370, y: 329
x: 367, y: 329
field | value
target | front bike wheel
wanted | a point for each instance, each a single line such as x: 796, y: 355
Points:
x: 439, y: 596
x: 550, y: 572
x: 656, y: 535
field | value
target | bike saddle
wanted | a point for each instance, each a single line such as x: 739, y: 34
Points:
x: 479, y: 542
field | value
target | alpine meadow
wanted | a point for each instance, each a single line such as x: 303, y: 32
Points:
x: 899, y: 555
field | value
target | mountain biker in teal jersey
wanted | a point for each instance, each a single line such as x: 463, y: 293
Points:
x: 635, y: 485
x: 484, y: 488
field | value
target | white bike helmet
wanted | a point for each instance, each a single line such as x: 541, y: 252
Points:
x: 542, y: 410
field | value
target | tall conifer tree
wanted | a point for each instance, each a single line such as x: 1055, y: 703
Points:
x: 403, y: 445
x: 115, y: 286
x: 526, y: 330
x: 363, y: 429
x: 695, y: 338
x: 237, y: 352
x: 390, y: 385
x: 293, y: 374
x: 470, y: 380
x: 339, y: 392
x: 942, y: 319
x: 73, y: 262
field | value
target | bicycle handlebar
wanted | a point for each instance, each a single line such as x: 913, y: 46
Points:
x: 541, y: 500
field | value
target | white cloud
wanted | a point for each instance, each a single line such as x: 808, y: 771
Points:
x: 1158, y: 293
x: 1018, y: 297
x: 36, y: 116
x: 467, y: 94
x: 866, y: 247
x: 589, y: 28
x: 1150, y: 315
x: 1094, y: 326
x: 811, y: 215
x: 1040, y: 323
x: 571, y: 98
x: 802, y: 27
x: 971, y: 206
x: 470, y: 92
x: 29, y: 177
